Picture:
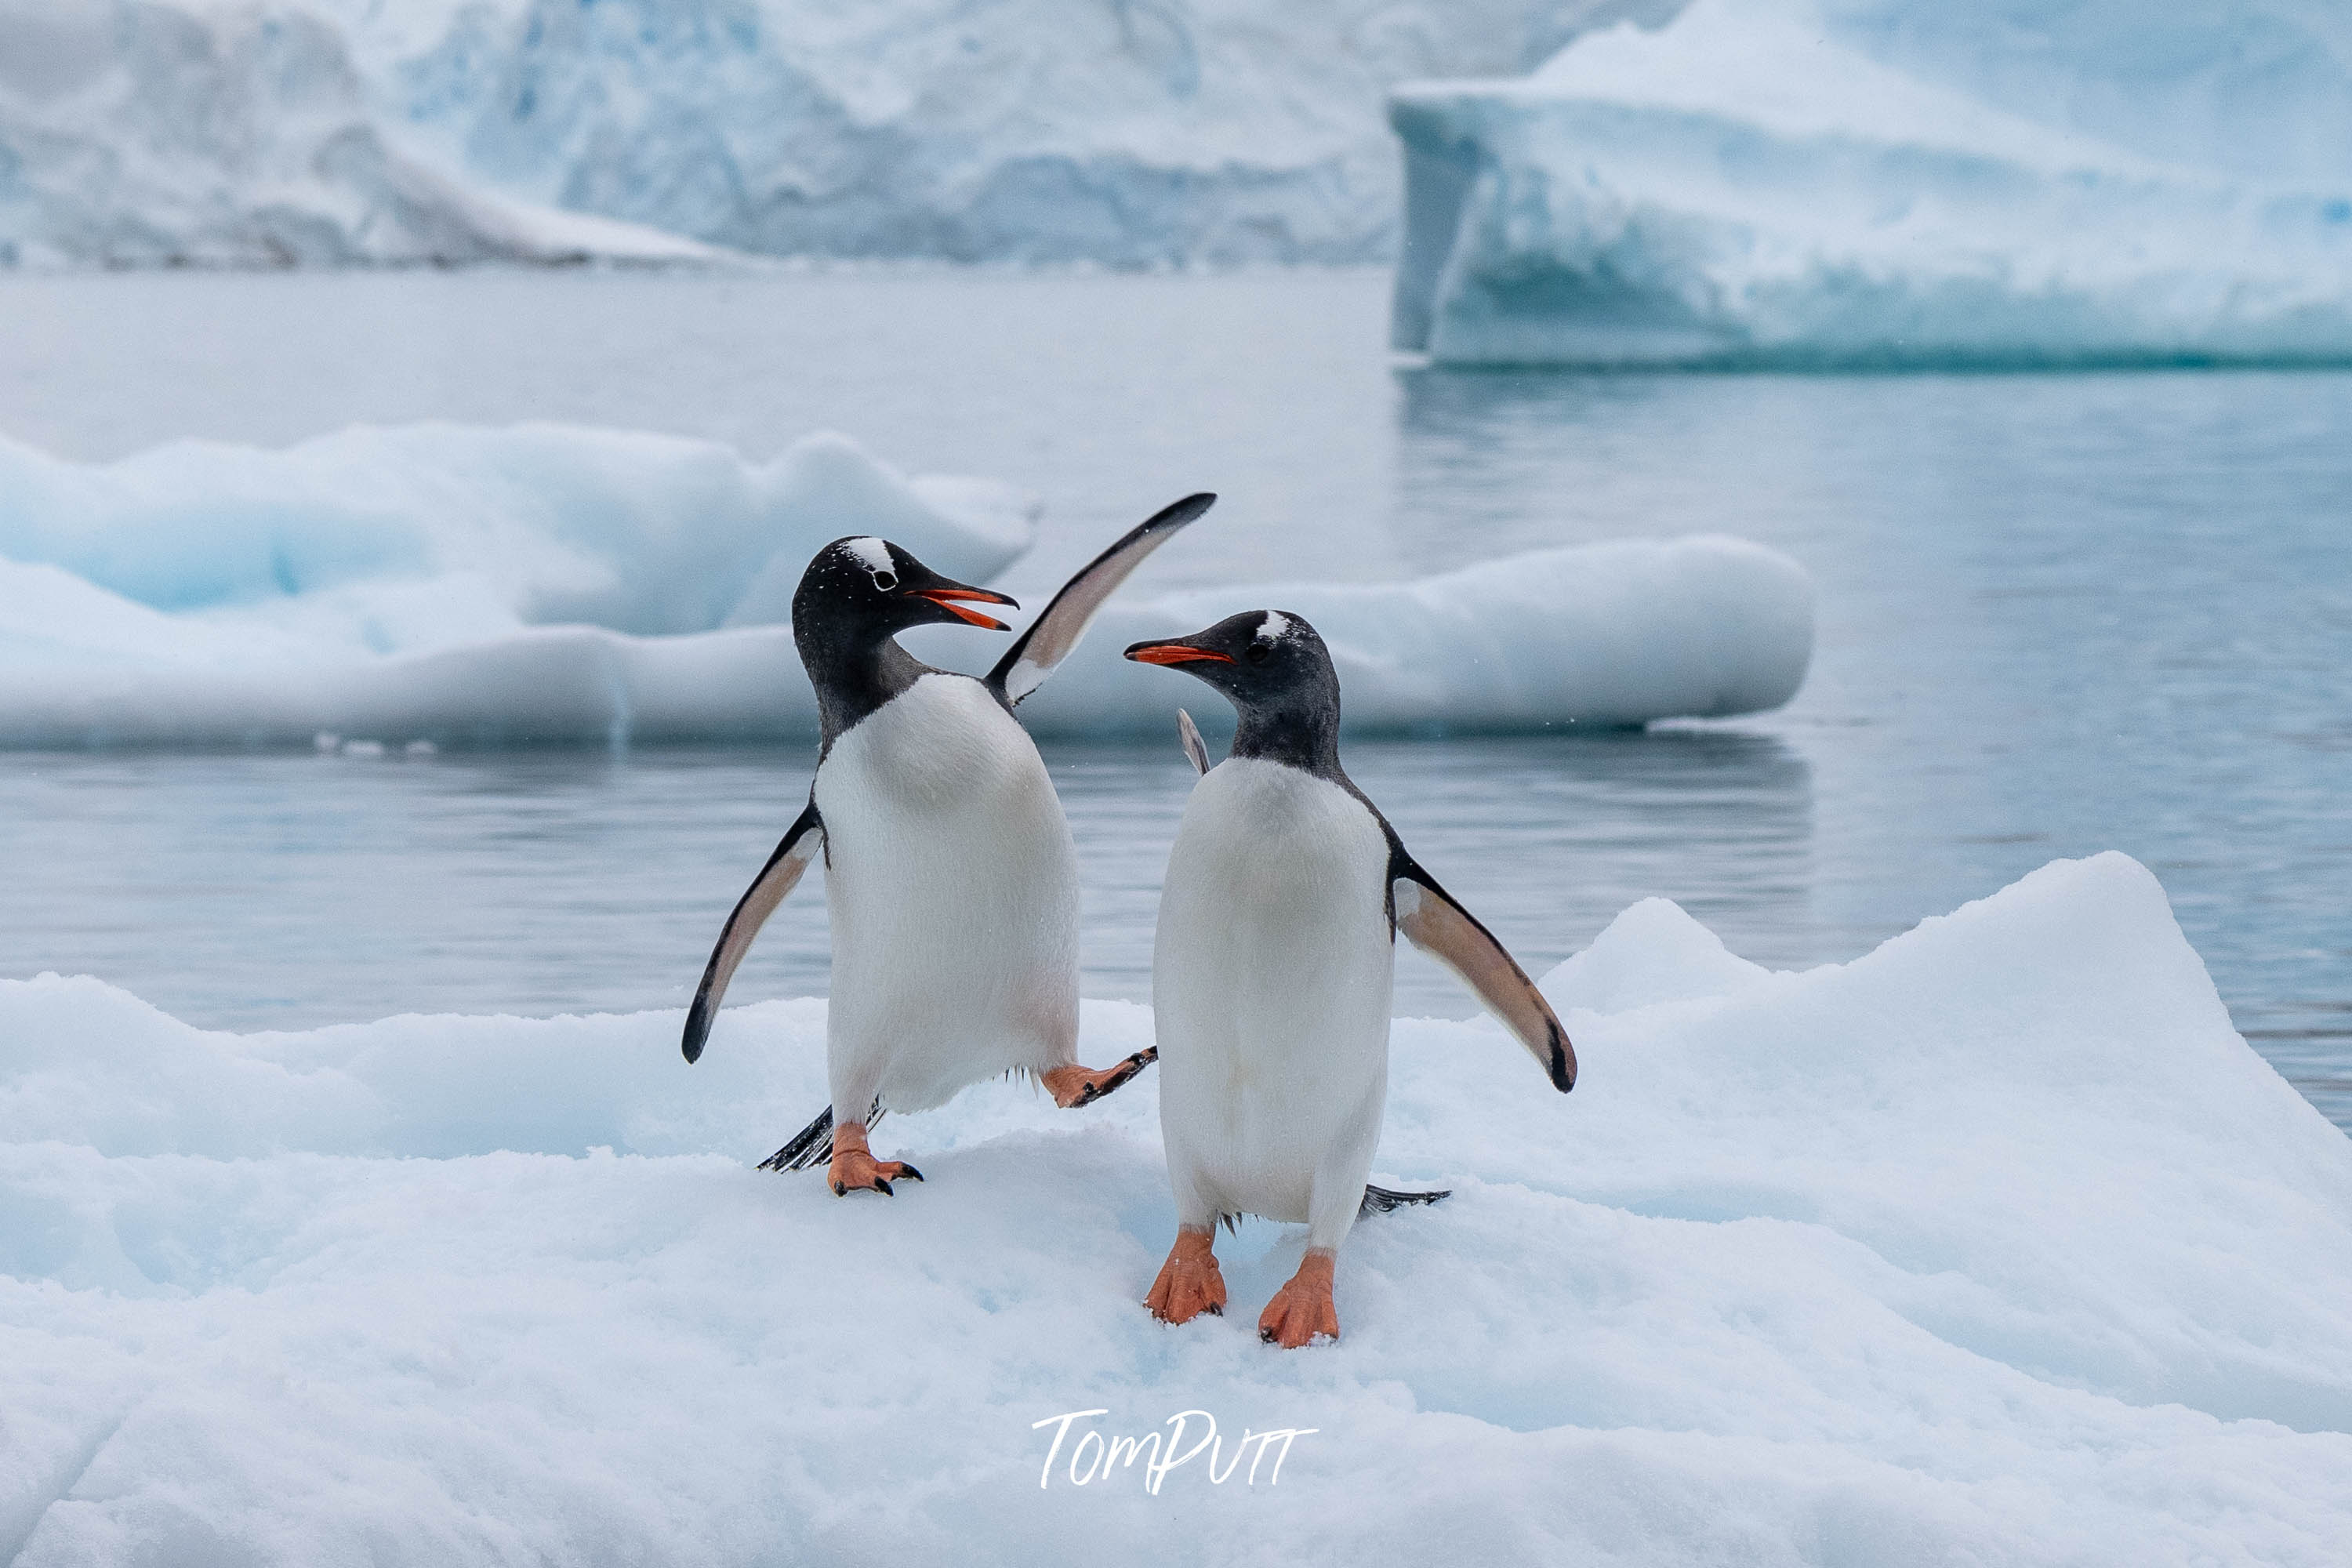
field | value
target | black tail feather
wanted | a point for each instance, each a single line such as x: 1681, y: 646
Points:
x: 1381, y: 1200
x: 812, y: 1144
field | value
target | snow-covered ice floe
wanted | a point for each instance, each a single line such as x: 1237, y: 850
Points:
x: 1892, y: 182
x: 450, y: 584
x: 1996, y: 1244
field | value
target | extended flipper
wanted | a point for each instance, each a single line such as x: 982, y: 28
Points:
x: 802, y: 844
x: 1449, y: 933
x: 1052, y: 635
x: 812, y: 1144
x: 1188, y: 735
x: 1383, y: 1200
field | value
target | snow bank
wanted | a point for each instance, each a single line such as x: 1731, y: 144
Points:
x: 1995, y: 1245
x: 403, y: 585
x: 141, y: 133
x: 1892, y: 182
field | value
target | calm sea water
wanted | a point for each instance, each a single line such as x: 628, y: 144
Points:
x: 2059, y: 614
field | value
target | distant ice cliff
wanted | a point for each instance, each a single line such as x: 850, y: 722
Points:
x: 1133, y: 132
x: 1848, y: 182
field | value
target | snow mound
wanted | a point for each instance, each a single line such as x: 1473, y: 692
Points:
x: 138, y: 132
x: 447, y: 585
x: 1890, y: 182
x: 1996, y: 1244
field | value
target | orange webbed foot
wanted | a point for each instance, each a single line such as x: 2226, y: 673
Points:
x: 1190, y: 1283
x: 1302, y: 1309
x: 854, y: 1168
x: 1072, y: 1086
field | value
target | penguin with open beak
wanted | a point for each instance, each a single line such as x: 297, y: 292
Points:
x: 1271, y: 968
x: 951, y: 881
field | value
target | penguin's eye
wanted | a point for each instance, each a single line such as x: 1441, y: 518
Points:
x: 1258, y: 652
x: 886, y: 581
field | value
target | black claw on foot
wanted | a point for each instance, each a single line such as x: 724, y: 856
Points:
x: 907, y: 1173
x: 883, y: 1187
x: 1121, y: 1074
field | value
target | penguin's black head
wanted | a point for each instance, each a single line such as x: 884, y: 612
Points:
x: 857, y: 592
x: 1275, y: 669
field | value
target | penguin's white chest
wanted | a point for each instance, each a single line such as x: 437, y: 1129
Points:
x: 1271, y: 981
x: 952, y: 892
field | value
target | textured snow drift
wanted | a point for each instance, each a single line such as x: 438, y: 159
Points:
x: 1994, y: 1245
x: 137, y: 133
x: 1893, y: 182
x: 442, y: 582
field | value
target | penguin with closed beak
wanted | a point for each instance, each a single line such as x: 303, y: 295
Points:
x: 1271, y: 968
x: 952, y: 885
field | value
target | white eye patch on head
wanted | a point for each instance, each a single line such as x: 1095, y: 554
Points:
x: 872, y: 551
x: 1275, y: 628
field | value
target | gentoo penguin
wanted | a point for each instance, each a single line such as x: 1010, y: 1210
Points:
x: 1271, y: 971
x: 951, y: 882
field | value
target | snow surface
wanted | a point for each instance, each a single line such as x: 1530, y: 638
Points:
x: 1994, y: 1245
x: 140, y: 132
x: 446, y: 583
x: 1890, y: 182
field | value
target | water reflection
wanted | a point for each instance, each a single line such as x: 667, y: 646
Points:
x: 278, y: 891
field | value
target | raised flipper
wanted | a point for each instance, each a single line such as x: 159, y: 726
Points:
x: 1381, y: 1200
x: 1188, y: 735
x: 1449, y: 933
x: 802, y: 844
x: 1052, y: 635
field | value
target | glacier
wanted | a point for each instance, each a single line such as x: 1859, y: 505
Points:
x: 1995, y: 1245
x: 1860, y: 183
x: 141, y: 133
x: 1132, y: 132
x: 451, y: 583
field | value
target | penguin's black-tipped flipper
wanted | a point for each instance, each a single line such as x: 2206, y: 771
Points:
x: 812, y: 1144
x: 1381, y: 1200
x: 802, y: 844
x: 1052, y: 635
x: 1188, y: 735
x: 1451, y: 934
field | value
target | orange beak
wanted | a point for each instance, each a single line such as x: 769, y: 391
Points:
x: 943, y: 597
x: 1176, y: 653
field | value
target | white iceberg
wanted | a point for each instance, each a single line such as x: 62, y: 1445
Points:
x: 446, y: 584
x: 273, y: 133
x: 1996, y: 1244
x: 1892, y: 182
x: 141, y: 132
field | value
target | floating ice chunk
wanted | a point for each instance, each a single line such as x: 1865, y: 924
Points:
x: 1995, y: 1245
x: 1891, y: 181
x: 395, y: 539
x: 1619, y: 633
x: 1613, y: 634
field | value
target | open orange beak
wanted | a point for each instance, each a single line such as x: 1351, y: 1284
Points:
x: 1176, y: 653
x: 943, y: 597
